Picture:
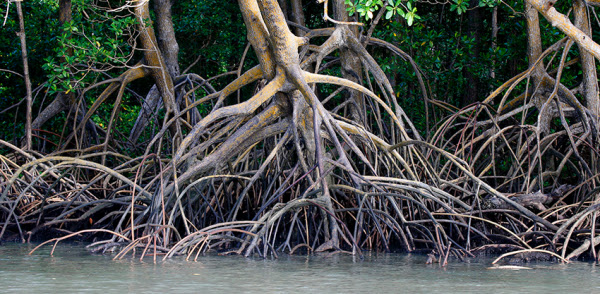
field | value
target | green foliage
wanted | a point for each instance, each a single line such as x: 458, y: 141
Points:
x: 40, y: 28
x: 445, y: 51
x: 216, y: 36
x: 366, y: 8
x: 488, y: 3
x: 410, y: 14
x: 460, y: 6
x: 68, y: 57
x: 94, y: 41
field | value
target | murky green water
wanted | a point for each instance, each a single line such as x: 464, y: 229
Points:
x: 73, y: 269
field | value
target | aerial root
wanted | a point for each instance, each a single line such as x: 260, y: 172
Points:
x: 283, y: 170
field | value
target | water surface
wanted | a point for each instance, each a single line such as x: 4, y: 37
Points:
x: 74, y: 269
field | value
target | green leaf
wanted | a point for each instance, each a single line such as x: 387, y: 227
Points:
x: 389, y: 14
x: 401, y: 12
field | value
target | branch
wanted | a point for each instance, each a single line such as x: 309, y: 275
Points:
x: 12, y: 72
x: 562, y: 22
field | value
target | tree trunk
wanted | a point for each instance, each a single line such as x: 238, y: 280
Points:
x: 284, y: 7
x: 63, y: 100
x: 298, y: 16
x: 588, y: 64
x: 351, y: 64
x: 257, y: 36
x: 166, y: 36
x: 472, y: 86
x: 25, y: 75
x: 494, y: 39
x: 64, y: 16
x: 534, y: 51
x: 562, y: 22
x: 153, y: 58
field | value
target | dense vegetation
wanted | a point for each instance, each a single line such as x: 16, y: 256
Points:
x: 262, y: 126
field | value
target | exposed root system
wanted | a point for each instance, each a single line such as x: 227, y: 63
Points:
x: 288, y: 171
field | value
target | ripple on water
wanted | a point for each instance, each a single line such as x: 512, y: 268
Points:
x: 73, y: 269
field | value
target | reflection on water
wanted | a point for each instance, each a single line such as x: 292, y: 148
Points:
x: 73, y: 269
